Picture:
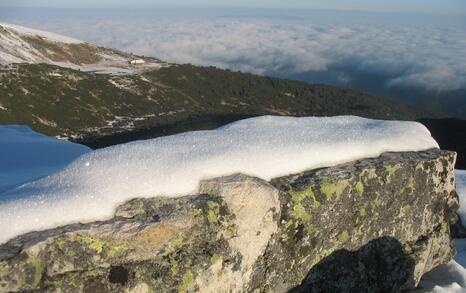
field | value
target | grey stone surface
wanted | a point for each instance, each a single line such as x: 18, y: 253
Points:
x: 374, y: 225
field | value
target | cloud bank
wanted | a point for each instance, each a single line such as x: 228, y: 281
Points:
x: 411, y: 55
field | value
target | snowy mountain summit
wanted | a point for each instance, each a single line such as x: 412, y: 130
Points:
x: 24, y: 45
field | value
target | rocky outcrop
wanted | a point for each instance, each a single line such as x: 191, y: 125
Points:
x: 374, y: 225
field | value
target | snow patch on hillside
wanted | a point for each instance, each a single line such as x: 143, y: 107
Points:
x: 26, y: 155
x: 16, y: 47
x: 39, y: 33
x: 93, y: 185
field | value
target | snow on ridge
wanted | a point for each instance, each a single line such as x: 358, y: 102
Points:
x: 93, y: 185
x: 39, y: 33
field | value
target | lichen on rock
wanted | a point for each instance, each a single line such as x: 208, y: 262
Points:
x: 370, y: 225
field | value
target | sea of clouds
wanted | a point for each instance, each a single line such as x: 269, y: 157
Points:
x: 412, y: 51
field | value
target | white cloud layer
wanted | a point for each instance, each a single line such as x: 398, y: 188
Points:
x: 414, y: 54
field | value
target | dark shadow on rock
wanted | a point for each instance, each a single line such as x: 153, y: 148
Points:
x: 379, y: 266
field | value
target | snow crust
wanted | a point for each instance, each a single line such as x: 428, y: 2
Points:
x: 92, y: 186
x: 26, y: 155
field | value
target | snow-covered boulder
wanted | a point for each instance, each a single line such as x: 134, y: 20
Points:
x: 91, y: 187
x: 371, y: 225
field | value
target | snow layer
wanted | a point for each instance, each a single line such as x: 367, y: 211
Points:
x: 26, y: 155
x: 92, y: 186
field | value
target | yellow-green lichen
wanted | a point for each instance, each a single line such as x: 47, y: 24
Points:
x: 34, y: 262
x: 188, y: 279
x: 115, y: 250
x: 93, y: 242
x: 300, y: 213
x: 343, y: 236
x: 409, y: 185
x: 406, y: 210
x: 369, y: 173
x: 289, y: 223
x: 333, y: 189
x: 215, y: 258
x: 376, y: 203
x: 61, y: 241
x: 359, y: 187
x: 71, y: 253
x: 391, y: 169
x: 230, y: 230
x: 23, y: 279
x: 197, y: 212
x: 92, y: 274
x: 71, y: 278
x: 298, y: 197
x: 363, y: 211
x: 444, y: 227
x: 212, y: 192
x: 174, y: 269
x: 420, y: 166
x: 178, y: 241
x: 213, y: 211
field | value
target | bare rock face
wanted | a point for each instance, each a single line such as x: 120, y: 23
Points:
x: 374, y: 225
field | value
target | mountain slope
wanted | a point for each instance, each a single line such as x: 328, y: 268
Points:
x: 68, y: 88
x: 24, y: 45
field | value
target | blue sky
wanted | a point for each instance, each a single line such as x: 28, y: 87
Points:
x: 404, y: 6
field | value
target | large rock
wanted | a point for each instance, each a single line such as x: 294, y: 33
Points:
x: 374, y: 225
